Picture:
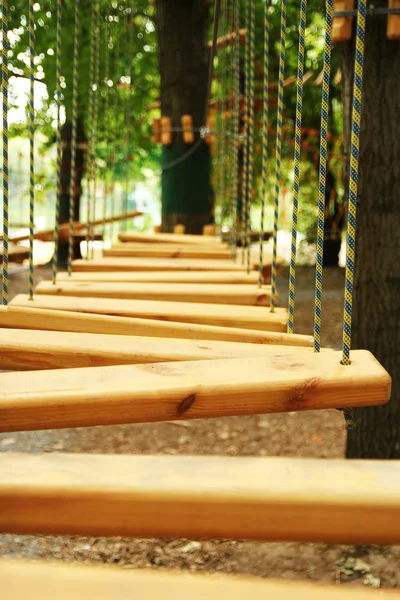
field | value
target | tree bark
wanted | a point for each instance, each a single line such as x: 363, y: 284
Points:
x: 182, y: 27
x: 65, y: 182
x: 376, y: 321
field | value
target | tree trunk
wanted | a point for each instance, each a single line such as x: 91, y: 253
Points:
x: 65, y: 183
x: 182, y: 27
x: 376, y: 321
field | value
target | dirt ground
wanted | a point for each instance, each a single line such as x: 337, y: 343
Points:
x: 320, y: 434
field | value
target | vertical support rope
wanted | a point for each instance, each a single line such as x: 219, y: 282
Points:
x: 222, y: 137
x: 322, y: 175
x: 59, y: 143
x: 245, y: 130
x: 95, y: 119
x: 72, y: 180
x: 90, y: 124
x: 264, y: 169
x: 296, y: 168
x: 106, y: 119
x: 128, y: 107
x: 278, y: 151
x: 115, y: 140
x: 250, y: 156
x: 236, y: 126
x: 31, y: 146
x: 4, y: 88
x: 353, y: 183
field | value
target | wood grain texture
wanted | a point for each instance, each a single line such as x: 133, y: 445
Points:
x: 26, y: 350
x: 279, y: 382
x: 154, y: 264
x: 209, y: 293
x: 167, y: 251
x: 246, y: 317
x: 255, y: 498
x: 56, y: 320
x: 219, y: 277
x: 22, y: 580
x: 170, y: 238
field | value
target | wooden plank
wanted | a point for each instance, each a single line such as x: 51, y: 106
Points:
x: 45, y: 580
x: 169, y: 238
x: 154, y: 264
x: 228, y: 278
x: 271, y: 499
x: 26, y: 351
x: 208, y: 293
x: 16, y: 254
x: 56, y: 320
x: 167, y: 251
x: 221, y: 315
x: 278, y: 382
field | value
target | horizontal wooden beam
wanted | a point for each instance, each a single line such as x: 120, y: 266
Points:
x: 26, y: 350
x: 167, y: 251
x: 278, y: 382
x: 222, y: 315
x: 154, y: 264
x: 208, y: 293
x: 220, y: 277
x: 271, y: 499
x: 22, y: 579
x: 56, y: 320
x: 170, y: 238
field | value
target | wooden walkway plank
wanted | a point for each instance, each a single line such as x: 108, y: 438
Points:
x: 167, y: 251
x: 209, y: 293
x: 156, y: 392
x: 170, y: 238
x: 154, y: 264
x: 224, y: 315
x: 26, y: 351
x: 20, y: 580
x: 253, y: 498
x: 56, y: 320
x: 219, y: 277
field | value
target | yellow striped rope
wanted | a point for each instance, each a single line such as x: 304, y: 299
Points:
x: 59, y: 142
x: 245, y: 133
x: 322, y: 175
x: 296, y: 169
x: 353, y: 182
x: 250, y: 157
x: 116, y: 42
x: 264, y: 168
x: 106, y: 121
x: 4, y: 89
x: 278, y: 151
x: 95, y: 119
x: 235, y: 127
x: 31, y: 145
x: 72, y: 181
x: 90, y: 179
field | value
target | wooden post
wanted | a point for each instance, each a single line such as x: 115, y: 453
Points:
x: 187, y: 126
x: 342, y: 26
x: 393, y: 23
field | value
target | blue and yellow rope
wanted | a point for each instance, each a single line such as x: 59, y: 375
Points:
x: 31, y: 274
x: 264, y: 169
x: 106, y: 120
x: 353, y: 183
x: 95, y: 119
x: 72, y: 181
x: 245, y: 131
x: 90, y: 123
x: 322, y: 175
x: 353, y: 189
x: 236, y: 125
x: 4, y: 88
x: 115, y: 140
x: 59, y: 143
x: 250, y: 159
x: 278, y: 151
x: 296, y: 175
